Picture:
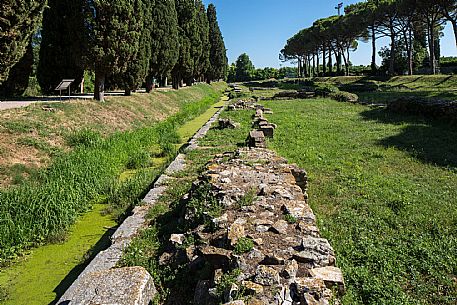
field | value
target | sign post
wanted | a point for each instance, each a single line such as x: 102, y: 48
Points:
x: 64, y: 85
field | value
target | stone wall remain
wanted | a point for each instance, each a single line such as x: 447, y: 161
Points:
x: 266, y: 234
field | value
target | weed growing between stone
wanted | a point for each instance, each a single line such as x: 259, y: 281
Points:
x: 244, y: 245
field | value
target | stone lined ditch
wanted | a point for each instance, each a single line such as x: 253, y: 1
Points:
x: 49, y: 270
x: 254, y: 237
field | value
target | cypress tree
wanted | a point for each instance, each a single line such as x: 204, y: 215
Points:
x: 18, y: 22
x: 114, y: 39
x: 18, y: 78
x: 188, y: 42
x: 165, y: 47
x: 138, y: 67
x: 63, y: 44
x: 202, y: 58
x: 218, y: 54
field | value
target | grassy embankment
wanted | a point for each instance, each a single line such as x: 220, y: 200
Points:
x: 382, y: 186
x: 39, y: 280
x: 88, y: 163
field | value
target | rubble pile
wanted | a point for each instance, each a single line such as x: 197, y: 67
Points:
x: 251, y: 227
x: 242, y: 104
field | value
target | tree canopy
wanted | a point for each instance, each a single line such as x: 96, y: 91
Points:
x: 217, y: 54
x: 399, y: 20
x: 18, y: 22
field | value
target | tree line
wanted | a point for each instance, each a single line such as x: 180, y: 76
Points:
x: 126, y: 43
x: 243, y: 70
x: 414, y: 28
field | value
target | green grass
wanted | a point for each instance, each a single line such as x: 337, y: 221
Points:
x: 383, y: 187
x: 425, y: 86
x: 42, y: 209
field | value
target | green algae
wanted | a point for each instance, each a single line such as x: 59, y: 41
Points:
x: 190, y: 128
x: 45, y: 273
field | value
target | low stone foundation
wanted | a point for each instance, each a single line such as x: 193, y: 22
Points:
x: 257, y: 226
x: 426, y: 107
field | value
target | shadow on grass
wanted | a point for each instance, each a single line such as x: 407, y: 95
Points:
x: 427, y: 140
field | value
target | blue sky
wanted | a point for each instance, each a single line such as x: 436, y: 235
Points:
x: 260, y: 28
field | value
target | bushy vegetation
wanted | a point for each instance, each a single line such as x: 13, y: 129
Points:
x: 40, y: 210
x: 243, y: 245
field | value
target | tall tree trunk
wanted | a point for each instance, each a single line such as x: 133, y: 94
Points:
x: 299, y: 68
x: 374, y: 68
x: 99, y: 90
x: 431, y: 44
x: 392, y: 54
x: 176, y: 81
x: 313, y: 72
x: 149, y: 83
x: 345, y: 60
x: 338, y: 59
x: 163, y: 81
x: 409, y: 48
x: 338, y: 67
x: 324, y: 59
x: 330, y: 63
x: 318, y: 64
x: 348, y: 63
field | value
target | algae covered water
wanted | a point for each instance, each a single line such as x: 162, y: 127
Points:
x: 47, y: 271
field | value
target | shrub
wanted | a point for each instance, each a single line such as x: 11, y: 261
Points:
x: 244, y: 245
x: 325, y: 90
x: 84, y: 138
x: 139, y: 159
x: 344, y: 97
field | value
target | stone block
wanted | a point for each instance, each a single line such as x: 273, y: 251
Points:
x: 267, y: 130
x: 127, y: 286
x: 332, y: 276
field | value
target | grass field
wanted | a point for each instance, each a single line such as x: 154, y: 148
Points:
x: 425, y: 86
x: 384, y: 189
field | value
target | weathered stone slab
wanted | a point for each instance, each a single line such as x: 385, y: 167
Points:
x: 332, y: 276
x: 126, y: 286
x: 316, y: 252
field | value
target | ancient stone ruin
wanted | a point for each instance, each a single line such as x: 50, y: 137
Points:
x: 246, y: 236
x: 258, y: 227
